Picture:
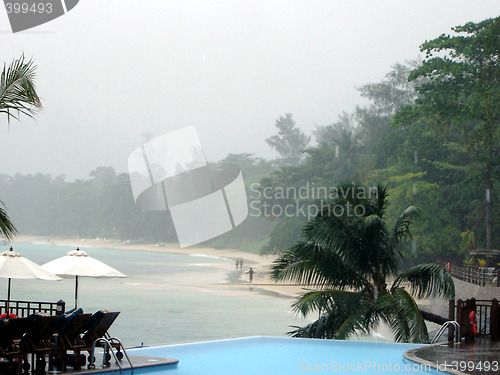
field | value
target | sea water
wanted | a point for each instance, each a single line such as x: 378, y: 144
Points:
x: 165, y: 298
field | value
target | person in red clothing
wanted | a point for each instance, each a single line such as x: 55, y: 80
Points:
x: 473, y: 323
x: 250, y: 273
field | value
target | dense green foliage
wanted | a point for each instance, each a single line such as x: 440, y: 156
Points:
x: 347, y: 260
x: 431, y: 133
x: 459, y: 101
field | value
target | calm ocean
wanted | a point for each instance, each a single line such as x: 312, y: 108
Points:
x: 166, y: 298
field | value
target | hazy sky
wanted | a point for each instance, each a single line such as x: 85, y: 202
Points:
x: 110, y: 71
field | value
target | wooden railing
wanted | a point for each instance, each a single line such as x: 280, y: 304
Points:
x: 487, y: 316
x: 24, y: 308
x: 476, y: 275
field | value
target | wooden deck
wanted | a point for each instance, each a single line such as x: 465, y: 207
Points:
x: 138, y: 362
x: 159, y: 364
x: 462, y: 358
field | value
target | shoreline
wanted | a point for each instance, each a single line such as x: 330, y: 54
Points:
x: 261, y: 264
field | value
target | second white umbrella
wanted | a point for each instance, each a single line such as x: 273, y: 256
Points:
x: 79, y: 263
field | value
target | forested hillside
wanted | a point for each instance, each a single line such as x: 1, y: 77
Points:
x: 430, y: 132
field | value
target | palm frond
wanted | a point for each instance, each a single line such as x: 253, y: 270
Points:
x: 7, y: 229
x: 362, y: 319
x: 427, y: 280
x: 402, y: 227
x: 342, y: 236
x: 380, y: 200
x: 343, y: 314
x: 17, y: 89
x: 339, y: 301
x: 310, y: 264
x: 400, y: 311
x: 323, y: 328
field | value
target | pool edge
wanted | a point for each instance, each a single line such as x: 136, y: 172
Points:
x: 412, y: 356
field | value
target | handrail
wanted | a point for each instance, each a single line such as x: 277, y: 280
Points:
x: 441, y: 330
x: 107, y: 342
x: 117, y: 340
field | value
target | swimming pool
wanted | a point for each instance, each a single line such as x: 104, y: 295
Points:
x: 280, y: 356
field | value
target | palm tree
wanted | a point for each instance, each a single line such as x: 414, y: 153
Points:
x: 17, y: 96
x: 347, y: 258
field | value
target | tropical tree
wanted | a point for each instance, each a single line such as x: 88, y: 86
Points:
x: 17, y: 96
x: 290, y: 142
x: 460, y: 96
x: 347, y: 259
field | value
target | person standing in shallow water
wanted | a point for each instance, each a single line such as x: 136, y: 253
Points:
x: 250, y: 273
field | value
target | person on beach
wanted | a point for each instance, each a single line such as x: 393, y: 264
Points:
x: 250, y: 273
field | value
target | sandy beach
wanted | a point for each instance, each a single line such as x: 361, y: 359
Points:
x: 260, y: 264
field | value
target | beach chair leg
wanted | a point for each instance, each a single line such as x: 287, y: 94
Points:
x: 107, y: 358
x: 91, y: 360
x: 25, y: 366
x: 40, y: 364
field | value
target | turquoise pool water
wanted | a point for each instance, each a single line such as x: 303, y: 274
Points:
x: 280, y: 356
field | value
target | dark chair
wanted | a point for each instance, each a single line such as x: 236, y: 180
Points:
x: 69, y: 337
x: 11, y: 331
x: 71, y: 334
x: 100, y: 330
x: 93, y: 328
x: 36, y: 341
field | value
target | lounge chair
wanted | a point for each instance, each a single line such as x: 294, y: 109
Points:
x: 99, y: 328
x: 96, y: 327
x: 67, y: 338
x: 11, y: 331
x: 98, y: 331
x: 36, y: 341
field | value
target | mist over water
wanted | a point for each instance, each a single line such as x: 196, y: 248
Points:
x: 166, y: 298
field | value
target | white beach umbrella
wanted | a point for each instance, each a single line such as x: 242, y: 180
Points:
x: 78, y: 263
x: 14, y: 266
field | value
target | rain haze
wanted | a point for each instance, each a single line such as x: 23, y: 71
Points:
x: 254, y: 168
x: 110, y: 73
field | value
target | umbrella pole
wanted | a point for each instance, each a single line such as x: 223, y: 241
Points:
x: 8, y: 300
x: 76, y: 291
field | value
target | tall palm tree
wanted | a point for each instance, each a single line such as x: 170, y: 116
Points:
x: 347, y: 259
x: 17, y: 96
